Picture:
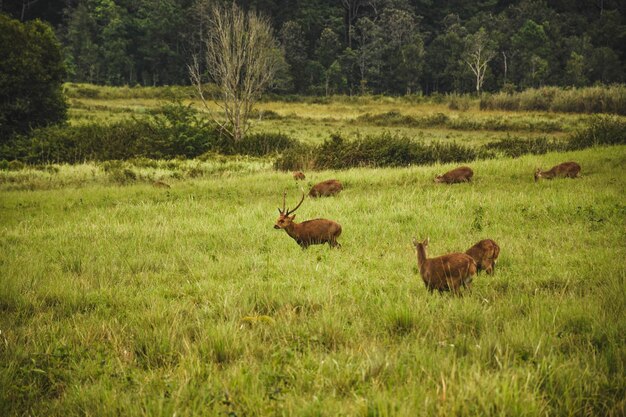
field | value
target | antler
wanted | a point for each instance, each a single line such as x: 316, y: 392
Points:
x: 291, y: 211
x: 283, y: 210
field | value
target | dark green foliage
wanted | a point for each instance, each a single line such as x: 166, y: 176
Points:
x: 260, y: 144
x: 602, y: 130
x: 300, y: 156
x: 31, y: 74
x: 514, y: 146
x: 175, y: 130
x: 351, y: 47
x: 387, y: 150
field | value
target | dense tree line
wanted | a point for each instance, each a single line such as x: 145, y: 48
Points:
x: 354, y: 46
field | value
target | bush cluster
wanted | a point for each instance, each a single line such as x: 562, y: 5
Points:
x: 386, y: 150
x: 514, y: 147
x: 174, y: 131
x: 600, y: 99
x: 602, y: 130
x: 393, y: 150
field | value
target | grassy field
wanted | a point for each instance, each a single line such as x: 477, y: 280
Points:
x: 132, y: 300
x: 315, y: 122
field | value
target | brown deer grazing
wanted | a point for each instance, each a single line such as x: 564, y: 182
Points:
x: 310, y: 232
x: 485, y: 254
x: 566, y: 169
x: 326, y: 189
x: 298, y: 175
x: 460, y: 174
x: 444, y: 273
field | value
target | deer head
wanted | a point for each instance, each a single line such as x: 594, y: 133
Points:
x: 424, y: 243
x: 284, y: 219
x: 537, y: 174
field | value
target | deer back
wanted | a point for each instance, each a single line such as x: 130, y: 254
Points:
x: 448, y: 271
x: 316, y: 230
x: 485, y: 253
x: 460, y: 174
x: 566, y: 169
x: 326, y: 188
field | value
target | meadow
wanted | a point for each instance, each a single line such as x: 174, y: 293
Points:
x: 119, y: 298
x: 311, y: 121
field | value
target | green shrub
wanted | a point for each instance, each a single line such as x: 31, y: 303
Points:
x: 298, y: 157
x: 175, y: 131
x: 260, y: 144
x: 16, y: 165
x: 459, y: 102
x: 602, y: 130
x: 513, y: 146
x: 122, y: 175
x: 386, y: 150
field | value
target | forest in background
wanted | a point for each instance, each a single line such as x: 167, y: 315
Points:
x: 352, y: 46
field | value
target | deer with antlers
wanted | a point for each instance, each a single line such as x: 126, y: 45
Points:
x: 310, y: 232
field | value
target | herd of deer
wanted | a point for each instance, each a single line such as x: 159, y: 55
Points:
x: 444, y: 273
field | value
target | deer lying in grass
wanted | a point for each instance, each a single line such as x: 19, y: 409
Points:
x: 326, y: 188
x: 298, y: 175
x: 566, y: 169
x: 485, y: 254
x: 310, y: 232
x: 444, y: 273
x: 460, y: 174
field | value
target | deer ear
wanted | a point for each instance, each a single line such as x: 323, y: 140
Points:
x: 426, y: 241
x: 293, y: 217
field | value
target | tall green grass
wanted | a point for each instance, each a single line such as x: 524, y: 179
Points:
x: 599, y: 99
x: 130, y: 300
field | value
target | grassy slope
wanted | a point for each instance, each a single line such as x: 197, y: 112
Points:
x: 139, y: 301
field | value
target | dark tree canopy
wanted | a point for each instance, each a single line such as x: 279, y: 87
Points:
x: 352, y: 46
x: 31, y: 77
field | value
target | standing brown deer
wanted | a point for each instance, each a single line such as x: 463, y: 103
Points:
x: 460, y: 174
x: 566, y: 169
x: 444, y: 273
x: 298, y: 175
x: 326, y: 188
x: 485, y: 253
x: 310, y: 232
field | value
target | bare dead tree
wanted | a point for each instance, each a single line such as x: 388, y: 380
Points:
x: 241, y: 57
x: 478, y: 54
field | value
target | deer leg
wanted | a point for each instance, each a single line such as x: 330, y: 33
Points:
x: 333, y: 243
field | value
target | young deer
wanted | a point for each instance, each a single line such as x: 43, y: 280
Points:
x: 310, y: 232
x: 444, y: 273
x: 485, y: 254
x: 326, y: 188
x: 566, y: 169
x: 298, y: 175
x: 460, y: 174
